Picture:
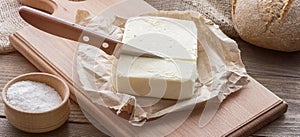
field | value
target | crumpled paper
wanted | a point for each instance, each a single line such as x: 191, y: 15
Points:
x: 220, y: 68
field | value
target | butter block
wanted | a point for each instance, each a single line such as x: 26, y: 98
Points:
x: 175, y: 38
x: 170, y: 78
x: 160, y: 78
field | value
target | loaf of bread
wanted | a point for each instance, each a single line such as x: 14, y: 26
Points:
x: 271, y: 24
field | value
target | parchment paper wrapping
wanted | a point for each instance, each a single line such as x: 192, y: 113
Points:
x: 220, y: 68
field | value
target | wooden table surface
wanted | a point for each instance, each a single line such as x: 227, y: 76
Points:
x: 278, y: 71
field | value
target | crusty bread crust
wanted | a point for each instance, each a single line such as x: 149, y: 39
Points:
x: 271, y: 24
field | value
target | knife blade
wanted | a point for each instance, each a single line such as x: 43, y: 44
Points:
x: 75, y: 32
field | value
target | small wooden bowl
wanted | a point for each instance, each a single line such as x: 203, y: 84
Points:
x: 38, y: 122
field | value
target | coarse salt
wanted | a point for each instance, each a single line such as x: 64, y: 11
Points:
x: 32, y: 96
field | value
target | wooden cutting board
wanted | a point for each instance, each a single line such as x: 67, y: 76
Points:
x: 242, y: 113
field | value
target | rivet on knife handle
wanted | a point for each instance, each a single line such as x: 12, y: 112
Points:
x: 106, y: 44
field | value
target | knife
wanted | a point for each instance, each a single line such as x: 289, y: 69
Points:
x: 75, y: 32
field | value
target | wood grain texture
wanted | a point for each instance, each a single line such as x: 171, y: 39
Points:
x: 258, y: 63
x: 244, y: 106
x: 76, y: 115
x: 68, y: 129
x: 240, y: 109
x: 279, y: 72
x: 266, y: 66
x: 12, y: 65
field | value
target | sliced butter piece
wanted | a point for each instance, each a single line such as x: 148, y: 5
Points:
x: 172, y: 78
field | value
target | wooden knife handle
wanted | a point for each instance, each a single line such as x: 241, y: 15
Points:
x: 65, y: 29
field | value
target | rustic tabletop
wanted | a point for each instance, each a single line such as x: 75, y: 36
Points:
x: 278, y: 71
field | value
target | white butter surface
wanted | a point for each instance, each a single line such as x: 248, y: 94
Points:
x: 175, y: 38
x: 171, y: 78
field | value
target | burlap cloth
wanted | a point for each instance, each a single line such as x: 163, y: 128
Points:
x: 10, y: 22
x: 217, y: 10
